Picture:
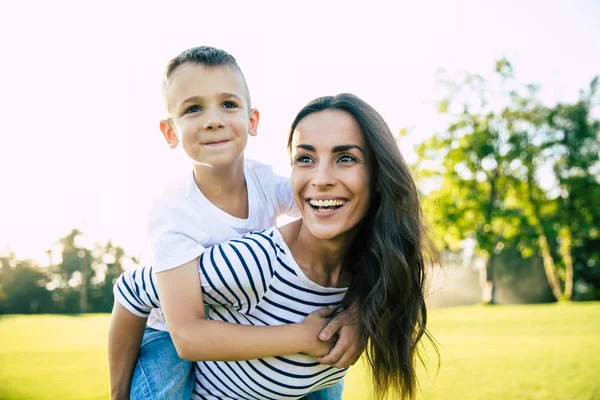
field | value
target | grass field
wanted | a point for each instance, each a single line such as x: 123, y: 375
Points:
x: 506, y: 352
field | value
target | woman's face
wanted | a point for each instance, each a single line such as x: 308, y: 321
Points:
x: 331, y: 173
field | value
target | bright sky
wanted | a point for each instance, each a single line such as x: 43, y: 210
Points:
x: 80, y: 87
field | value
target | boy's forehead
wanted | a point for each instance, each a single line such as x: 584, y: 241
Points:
x: 197, y: 80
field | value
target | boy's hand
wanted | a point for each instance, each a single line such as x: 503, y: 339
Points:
x: 349, y: 345
x: 313, y: 324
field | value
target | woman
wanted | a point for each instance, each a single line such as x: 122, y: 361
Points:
x: 360, y: 244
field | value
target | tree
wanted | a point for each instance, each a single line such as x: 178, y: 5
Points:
x: 23, y: 287
x: 565, y: 139
x: 80, y: 278
x: 74, y: 271
x: 474, y: 173
x: 109, y: 265
x: 494, y: 154
x: 575, y: 157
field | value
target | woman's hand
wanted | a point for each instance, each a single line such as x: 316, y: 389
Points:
x: 349, y: 345
x: 312, y: 326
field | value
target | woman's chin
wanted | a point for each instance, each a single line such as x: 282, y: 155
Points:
x: 326, y: 232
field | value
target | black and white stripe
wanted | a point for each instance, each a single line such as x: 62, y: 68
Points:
x: 252, y: 281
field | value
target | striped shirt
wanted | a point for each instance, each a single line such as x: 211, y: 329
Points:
x: 253, y: 280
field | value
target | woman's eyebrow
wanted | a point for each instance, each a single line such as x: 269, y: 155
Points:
x: 335, y: 149
x: 346, y: 147
x: 307, y: 147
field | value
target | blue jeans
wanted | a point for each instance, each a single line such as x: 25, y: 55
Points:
x: 159, y: 372
x: 331, y: 393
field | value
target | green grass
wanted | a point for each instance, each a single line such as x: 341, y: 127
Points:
x: 54, y: 357
x: 507, y: 352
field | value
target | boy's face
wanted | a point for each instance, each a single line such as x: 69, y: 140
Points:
x: 209, y: 114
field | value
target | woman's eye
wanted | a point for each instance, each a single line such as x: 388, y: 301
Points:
x: 229, y: 104
x: 192, y: 109
x: 302, y: 159
x: 346, y: 158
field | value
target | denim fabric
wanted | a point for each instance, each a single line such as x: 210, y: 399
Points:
x: 159, y: 372
x: 331, y: 393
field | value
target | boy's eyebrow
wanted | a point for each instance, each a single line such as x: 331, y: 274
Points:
x: 193, y: 99
x: 225, y: 94
x: 196, y: 99
x: 335, y: 149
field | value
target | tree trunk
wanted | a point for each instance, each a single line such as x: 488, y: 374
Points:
x: 565, y: 252
x: 486, y: 280
x: 549, y: 266
x: 548, y: 261
x: 489, y: 291
x: 83, y: 297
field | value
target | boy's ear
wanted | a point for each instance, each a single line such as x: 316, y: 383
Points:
x: 253, y: 122
x: 169, y: 133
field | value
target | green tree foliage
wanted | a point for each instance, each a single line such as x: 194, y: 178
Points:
x: 79, y: 279
x: 576, y: 163
x: 109, y: 263
x: 23, y: 287
x: 74, y: 272
x: 500, y: 143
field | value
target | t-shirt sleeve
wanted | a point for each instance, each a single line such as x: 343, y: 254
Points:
x: 170, y: 237
x: 136, y: 291
x: 284, y: 197
x: 237, y: 273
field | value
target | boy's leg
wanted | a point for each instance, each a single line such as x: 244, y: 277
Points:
x: 331, y: 393
x: 159, y: 372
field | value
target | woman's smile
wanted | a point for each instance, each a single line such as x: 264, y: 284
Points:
x: 327, y: 206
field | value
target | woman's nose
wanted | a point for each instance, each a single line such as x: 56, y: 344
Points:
x: 324, y: 176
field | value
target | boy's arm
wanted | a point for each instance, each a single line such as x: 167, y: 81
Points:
x: 284, y: 198
x: 124, y: 339
x: 198, y: 339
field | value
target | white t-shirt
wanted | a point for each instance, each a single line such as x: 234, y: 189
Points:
x: 183, y: 222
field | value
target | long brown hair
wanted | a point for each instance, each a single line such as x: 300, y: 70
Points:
x: 387, y: 258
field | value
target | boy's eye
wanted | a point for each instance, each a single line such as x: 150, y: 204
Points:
x: 346, y: 158
x: 229, y: 104
x: 192, y: 109
x: 302, y: 159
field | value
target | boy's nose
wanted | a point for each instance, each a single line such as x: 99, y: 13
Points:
x: 213, y: 121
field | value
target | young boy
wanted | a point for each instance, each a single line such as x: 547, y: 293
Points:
x: 223, y: 197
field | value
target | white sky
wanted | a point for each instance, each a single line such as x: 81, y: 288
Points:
x: 80, y: 86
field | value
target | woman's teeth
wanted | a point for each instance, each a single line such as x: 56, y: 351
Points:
x: 326, y: 204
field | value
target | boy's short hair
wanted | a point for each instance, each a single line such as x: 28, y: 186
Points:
x: 207, y: 56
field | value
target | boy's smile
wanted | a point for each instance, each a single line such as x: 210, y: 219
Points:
x: 209, y: 114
